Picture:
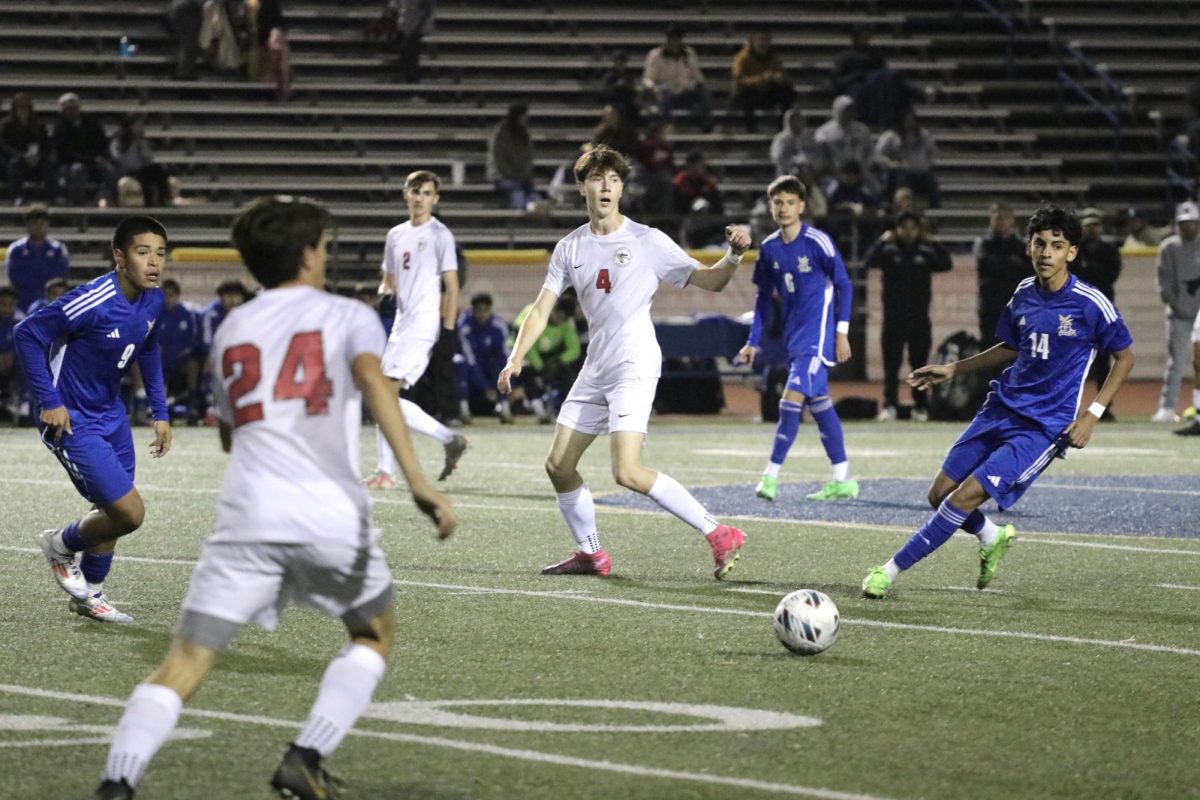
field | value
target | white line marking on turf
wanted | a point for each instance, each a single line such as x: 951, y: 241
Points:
x: 1179, y: 586
x: 477, y: 747
x: 1075, y: 487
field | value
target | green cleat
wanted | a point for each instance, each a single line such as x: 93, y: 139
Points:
x: 767, y: 488
x: 989, y: 557
x: 876, y: 584
x: 837, y: 490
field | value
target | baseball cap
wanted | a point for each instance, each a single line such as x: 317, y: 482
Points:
x: 842, y: 102
x: 1187, y: 212
x: 1091, y: 216
x: 68, y: 97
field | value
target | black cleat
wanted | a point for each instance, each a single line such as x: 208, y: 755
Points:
x: 1190, y: 430
x: 300, y: 776
x: 113, y: 790
x: 454, y: 451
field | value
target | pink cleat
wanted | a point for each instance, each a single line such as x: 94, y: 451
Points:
x: 581, y: 563
x: 726, y: 543
x: 380, y: 480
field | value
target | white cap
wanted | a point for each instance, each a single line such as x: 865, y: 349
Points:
x: 1187, y: 212
x: 842, y: 102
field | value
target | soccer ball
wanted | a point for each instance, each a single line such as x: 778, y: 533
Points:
x: 806, y: 622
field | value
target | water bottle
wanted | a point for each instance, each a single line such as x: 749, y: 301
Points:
x: 126, y: 48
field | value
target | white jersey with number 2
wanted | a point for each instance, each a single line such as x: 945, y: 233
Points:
x: 414, y: 257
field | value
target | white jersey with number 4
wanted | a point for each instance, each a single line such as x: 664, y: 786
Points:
x: 283, y: 382
x: 615, y: 277
x: 414, y: 257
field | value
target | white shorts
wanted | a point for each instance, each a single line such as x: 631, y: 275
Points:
x: 621, y: 406
x: 406, y: 357
x: 1196, y: 330
x: 236, y: 583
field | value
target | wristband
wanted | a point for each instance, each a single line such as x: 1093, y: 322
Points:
x: 1096, y: 410
x: 734, y: 257
x: 843, y: 327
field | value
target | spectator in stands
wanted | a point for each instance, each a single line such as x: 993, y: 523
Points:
x: 861, y: 71
x: 698, y: 198
x: 853, y: 209
x: 186, y: 18
x: 178, y: 338
x: 367, y: 292
x: 483, y: 340
x: 54, y: 289
x: 133, y: 161
x: 510, y: 159
x: 82, y: 149
x: 10, y: 376
x: 908, y: 260
x: 760, y: 81
x: 621, y: 88
x: 1099, y: 263
x: 652, y: 181
x: 1001, y: 262
x: 672, y: 72
x: 416, y: 19
x: 843, y: 138
x: 1138, y: 230
x: 27, y: 155
x: 35, y: 258
x: 223, y: 34
x: 906, y: 151
x: 794, y: 146
x: 553, y: 361
x: 904, y: 200
x: 276, y: 55
x: 1178, y: 271
x: 615, y: 131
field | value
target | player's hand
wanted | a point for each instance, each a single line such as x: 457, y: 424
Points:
x: 738, y: 238
x: 746, y: 356
x: 930, y: 375
x: 841, y: 348
x: 436, y: 506
x: 162, y: 438
x: 57, y: 422
x: 504, y: 382
x: 1079, y: 432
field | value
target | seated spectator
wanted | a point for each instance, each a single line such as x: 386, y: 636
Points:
x: 1139, y: 232
x: 483, y: 340
x: 178, y: 338
x: 794, y: 146
x: 698, y: 197
x: 843, y: 138
x: 907, y: 152
x: 621, y: 88
x: 615, y: 131
x: 553, y: 361
x: 853, y: 210
x: 760, y: 82
x: 83, y: 154
x: 27, y: 155
x: 510, y: 159
x: 35, y: 258
x: 186, y: 18
x: 672, y: 72
x: 10, y: 374
x: 133, y: 160
x: 54, y: 289
x: 651, y: 183
x: 861, y: 71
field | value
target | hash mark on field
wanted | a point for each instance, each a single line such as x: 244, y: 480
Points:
x: 1179, y: 586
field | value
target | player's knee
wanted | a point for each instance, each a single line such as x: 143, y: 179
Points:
x: 936, y: 495
x: 554, y: 467
x: 127, y: 516
x: 630, y: 478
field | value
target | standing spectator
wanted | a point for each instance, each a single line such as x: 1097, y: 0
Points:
x: 1138, y: 230
x: 220, y: 43
x: 178, y: 338
x: 25, y: 144
x: 54, y: 289
x: 621, y: 89
x: 35, y: 258
x: 230, y: 294
x: 907, y: 151
x: 908, y: 261
x: 133, y: 160
x: 187, y: 17
x: 1179, y: 286
x: 759, y: 79
x: 1001, y: 262
x: 652, y: 179
x: 271, y: 32
x: 483, y: 339
x: 416, y: 19
x: 861, y: 71
x: 794, y: 146
x: 510, y: 159
x: 1098, y: 263
x: 843, y: 138
x: 672, y: 72
x: 82, y: 150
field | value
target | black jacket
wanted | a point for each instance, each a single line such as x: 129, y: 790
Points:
x: 1098, y: 263
x: 907, y: 271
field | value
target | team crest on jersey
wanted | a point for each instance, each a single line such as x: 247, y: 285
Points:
x: 775, y: 264
x: 149, y: 326
x: 1065, y: 325
x: 803, y: 265
x: 1021, y: 322
x: 624, y: 256
x: 421, y: 244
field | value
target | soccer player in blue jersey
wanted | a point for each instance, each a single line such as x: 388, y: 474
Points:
x: 802, y: 265
x: 74, y: 352
x: 1052, y: 329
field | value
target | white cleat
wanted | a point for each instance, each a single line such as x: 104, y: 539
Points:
x: 64, y: 568
x: 98, y: 607
x: 1164, y: 415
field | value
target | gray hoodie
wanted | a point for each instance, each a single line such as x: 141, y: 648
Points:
x: 1179, y: 271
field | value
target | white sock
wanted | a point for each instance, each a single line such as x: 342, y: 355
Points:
x: 1196, y: 398
x: 772, y: 469
x: 150, y: 716
x: 387, y: 459
x: 580, y: 513
x: 671, y: 496
x: 841, y: 472
x: 891, y: 569
x: 989, y: 533
x: 421, y: 422
x: 95, y: 588
x: 346, y: 690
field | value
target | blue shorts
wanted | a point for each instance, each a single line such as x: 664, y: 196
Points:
x: 100, y: 462
x: 1005, y: 452
x: 809, y: 377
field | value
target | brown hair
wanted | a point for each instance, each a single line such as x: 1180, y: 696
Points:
x: 601, y: 158
x: 787, y: 183
x: 416, y: 180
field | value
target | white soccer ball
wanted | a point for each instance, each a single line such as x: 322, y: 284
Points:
x: 806, y: 622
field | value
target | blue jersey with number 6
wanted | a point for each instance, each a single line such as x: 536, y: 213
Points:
x: 1057, y: 335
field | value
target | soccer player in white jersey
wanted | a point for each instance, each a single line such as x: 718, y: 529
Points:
x: 293, y: 519
x: 615, y: 266
x: 418, y: 259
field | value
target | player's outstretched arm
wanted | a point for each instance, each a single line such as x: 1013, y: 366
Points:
x: 933, y: 374
x: 1079, y: 432
x: 531, y: 328
x: 718, y: 276
x: 381, y: 399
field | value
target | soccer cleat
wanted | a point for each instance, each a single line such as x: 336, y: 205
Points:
x: 876, y: 584
x: 726, y: 543
x: 64, y: 568
x: 99, y: 608
x: 989, y: 557
x: 1189, y: 413
x: 301, y: 778
x: 1164, y: 415
x: 886, y: 414
x: 836, y: 490
x: 454, y: 451
x: 113, y: 790
x: 505, y: 414
x: 1190, y: 430
x: 920, y: 414
x: 581, y: 563
x: 768, y: 487
x: 380, y: 480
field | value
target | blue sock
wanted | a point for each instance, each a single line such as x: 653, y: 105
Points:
x: 785, y: 431
x: 95, y: 566
x: 932, y: 535
x: 831, y: 429
x: 973, y: 524
x: 72, y: 539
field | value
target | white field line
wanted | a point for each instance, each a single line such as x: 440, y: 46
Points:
x: 536, y: 756
x: 1179, y: 586
x: 737, y: 612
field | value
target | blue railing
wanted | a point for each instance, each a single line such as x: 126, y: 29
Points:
x: 1109, y: 102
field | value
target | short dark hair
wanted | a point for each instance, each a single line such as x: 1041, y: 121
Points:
x: 271, y: 234
x: 416, y: 180
x: 1055, y: 219
x: 601, y: 158
x: 906, y: 216
x: 482, y: 299
x: 130, y: 227
x: 36, y: 211
x: 232, y: 286
x: 170, y: 283
x: 787, y: 183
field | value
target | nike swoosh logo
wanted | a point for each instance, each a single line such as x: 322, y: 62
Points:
x: 622, y: 416
x: 576, y: 266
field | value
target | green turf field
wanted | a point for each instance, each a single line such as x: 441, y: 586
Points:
x: 1078, y: 676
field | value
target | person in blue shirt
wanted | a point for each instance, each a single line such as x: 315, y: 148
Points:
x: 35, y: 258
x: 54, y: 289
x: 483, y: 340
x: 1052, y: 329
x: 802, y: 266
x: 74, y: 353
x: 179, y: 333
x: 230, y: 295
